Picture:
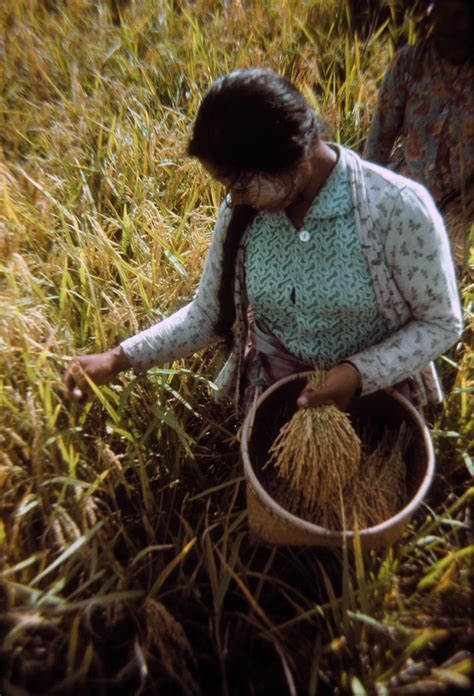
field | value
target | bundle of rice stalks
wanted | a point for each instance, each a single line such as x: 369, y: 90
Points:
x: 324, y: 474
x: 315, y: 456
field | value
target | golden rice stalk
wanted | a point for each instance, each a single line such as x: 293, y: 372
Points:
x: 386, y: 476
x: 112, y: 461
x: 165, y: 636
x: 458, y: 227
x: 314, y: 457
x: 377, y: 491
x: 7, y: 469
x: 64, y: 530
x: 321, y: 474
x: 90, y: 511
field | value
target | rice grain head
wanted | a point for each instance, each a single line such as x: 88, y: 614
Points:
x: 378, y: 490
x: 315, y: 455
x: 319, y: 471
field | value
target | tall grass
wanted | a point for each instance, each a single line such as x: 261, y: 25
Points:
x: 126, y: 561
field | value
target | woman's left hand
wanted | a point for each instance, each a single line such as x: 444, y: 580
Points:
x: 341, y: 385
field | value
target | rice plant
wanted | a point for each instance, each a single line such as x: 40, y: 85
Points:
x: 126, y: 561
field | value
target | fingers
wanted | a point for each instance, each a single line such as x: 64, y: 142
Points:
x: 342, y: 383
x: 311, y: 397
x: 75, y: 385
x: 77, y: 394
x: 99, y: 368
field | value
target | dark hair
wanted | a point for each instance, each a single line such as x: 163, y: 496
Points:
x: 249, y: 121
x: 252, y: 121
x: 457, y: 24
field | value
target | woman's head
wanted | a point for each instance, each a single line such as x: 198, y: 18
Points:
x: 252, y: 130
x: 452, y: 24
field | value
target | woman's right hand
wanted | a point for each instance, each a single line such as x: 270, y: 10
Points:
x: 101, y: 368
x: 342, y: 383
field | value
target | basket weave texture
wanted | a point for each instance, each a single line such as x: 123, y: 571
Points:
x: 270, y: 523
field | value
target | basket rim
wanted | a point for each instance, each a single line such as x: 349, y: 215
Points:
x: 338, y: 535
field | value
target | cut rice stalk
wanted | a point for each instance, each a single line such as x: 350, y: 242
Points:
x: 316, y: 462
x: 314, y: 456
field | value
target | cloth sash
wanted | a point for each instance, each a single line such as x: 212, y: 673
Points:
x: 266, y: 360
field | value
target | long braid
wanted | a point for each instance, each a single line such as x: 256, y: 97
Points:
x: 240, y: 219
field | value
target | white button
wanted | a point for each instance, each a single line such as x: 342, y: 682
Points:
x: 304, y: 236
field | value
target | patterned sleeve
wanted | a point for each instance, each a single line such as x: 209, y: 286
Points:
x: 389, y: 111
x: 191, y: 328
x: 418, y: 255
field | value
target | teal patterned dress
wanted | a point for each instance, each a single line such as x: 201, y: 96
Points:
x: 312, y: 287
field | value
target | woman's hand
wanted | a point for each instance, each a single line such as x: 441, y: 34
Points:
x: 101, y: 368
x: 342, y: 383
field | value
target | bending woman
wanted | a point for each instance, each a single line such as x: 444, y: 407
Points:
x: 317, y: 257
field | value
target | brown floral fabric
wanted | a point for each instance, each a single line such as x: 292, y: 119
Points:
x: 428, y: 104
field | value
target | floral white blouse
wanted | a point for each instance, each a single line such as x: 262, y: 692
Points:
x: 407, y: 250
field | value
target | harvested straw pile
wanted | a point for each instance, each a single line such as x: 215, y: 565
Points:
x: 319, y: 470
x: 379, y: 490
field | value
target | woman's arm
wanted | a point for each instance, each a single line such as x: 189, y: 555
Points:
x: 418, y: 255
x: 189, y: 329
x: 389, y: 111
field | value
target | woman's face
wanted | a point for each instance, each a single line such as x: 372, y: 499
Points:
x: 264, y: 192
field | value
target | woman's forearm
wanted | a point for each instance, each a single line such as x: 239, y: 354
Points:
x: 403, y: 354
x: 178, y: 336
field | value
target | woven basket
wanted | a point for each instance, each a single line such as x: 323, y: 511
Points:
x: 272, y: 524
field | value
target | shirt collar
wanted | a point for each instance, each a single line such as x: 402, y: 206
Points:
x: 334, y: 198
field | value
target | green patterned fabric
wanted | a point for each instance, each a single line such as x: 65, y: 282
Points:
x: 312, y: 287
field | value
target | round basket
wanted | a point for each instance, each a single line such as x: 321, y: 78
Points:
x: 270, y: 523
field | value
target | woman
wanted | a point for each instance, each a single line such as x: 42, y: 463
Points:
x: 427, y: 101
x: 317, y: 257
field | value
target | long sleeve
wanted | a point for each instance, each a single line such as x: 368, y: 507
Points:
x: 192, y: 327
x: 418, y: 255
x: 389, y: 112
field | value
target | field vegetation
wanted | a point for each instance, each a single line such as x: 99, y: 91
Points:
x: 127, y: 566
